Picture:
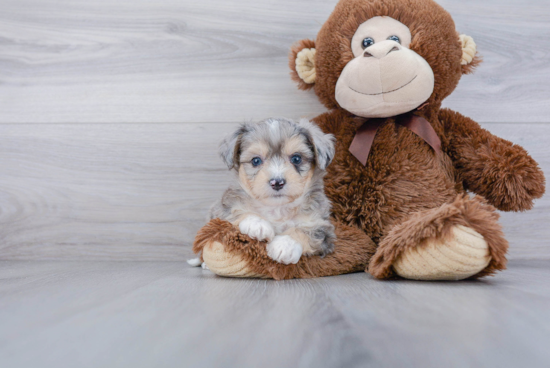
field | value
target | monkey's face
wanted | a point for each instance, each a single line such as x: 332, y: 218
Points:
x: 385, y: 77
x: 381, y: 58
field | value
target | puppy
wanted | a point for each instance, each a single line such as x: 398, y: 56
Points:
x: 279, y: 195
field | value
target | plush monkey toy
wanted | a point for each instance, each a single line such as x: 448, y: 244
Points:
x: 403, y: 165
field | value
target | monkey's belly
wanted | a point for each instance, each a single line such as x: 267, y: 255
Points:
x: 395, y: 184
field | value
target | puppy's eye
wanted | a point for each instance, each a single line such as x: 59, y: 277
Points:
x: 394, y: 38
x: 256, y: 161
x: 296, y: 159
x: 367, y: 42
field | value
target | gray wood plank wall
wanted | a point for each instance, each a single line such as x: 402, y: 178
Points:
x: 111, y: 112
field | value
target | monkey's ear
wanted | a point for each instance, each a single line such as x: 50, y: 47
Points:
x: 230, y: 148
x: 470, y: 58
x: 322, y: 143
x: 301, y: 61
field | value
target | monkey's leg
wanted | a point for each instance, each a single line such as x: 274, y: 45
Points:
x: 229, y: 253
x: 458, y: 240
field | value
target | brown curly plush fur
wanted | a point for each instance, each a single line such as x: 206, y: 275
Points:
x: 406, y: 192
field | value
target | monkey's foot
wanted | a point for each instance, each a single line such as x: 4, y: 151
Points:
x: 461, y: 239
x: 464, y: 254
x: 225, y: 263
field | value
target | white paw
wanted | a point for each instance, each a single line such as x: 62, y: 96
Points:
x: 284, y: 249
x: 257, y: 228
x: 195, y: 262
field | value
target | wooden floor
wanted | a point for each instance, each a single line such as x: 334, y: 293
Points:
x: 110, y: 116
x: 165, y: 314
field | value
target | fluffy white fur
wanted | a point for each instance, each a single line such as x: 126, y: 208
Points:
x: 284, y: 249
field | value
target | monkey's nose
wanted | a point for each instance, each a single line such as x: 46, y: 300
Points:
x: 277, y: 184
x: 381, y: 49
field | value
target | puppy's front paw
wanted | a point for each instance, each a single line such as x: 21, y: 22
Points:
x: 284, y: 249
x: 257, y: 228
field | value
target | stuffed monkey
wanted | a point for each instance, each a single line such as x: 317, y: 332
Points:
x: 414, y: 187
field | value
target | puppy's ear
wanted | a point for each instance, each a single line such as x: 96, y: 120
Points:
x: 322, y: 143
x: 230, y: 148
x: 301, y: 61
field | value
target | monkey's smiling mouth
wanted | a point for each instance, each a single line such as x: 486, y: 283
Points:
x: 383, y: 93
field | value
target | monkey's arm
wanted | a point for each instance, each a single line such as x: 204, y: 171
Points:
x: 495, y: 168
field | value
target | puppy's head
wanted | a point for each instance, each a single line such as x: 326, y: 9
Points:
x: 277, y: 159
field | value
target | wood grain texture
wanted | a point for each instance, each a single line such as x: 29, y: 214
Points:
x: 101, y: 190
x: 166, y: 314
x: 141, y: 191
x: 66, y: 61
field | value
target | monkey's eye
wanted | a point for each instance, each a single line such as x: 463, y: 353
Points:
x: 394, y: 38
x: 296, y: 159
x: 256, y: 161
x: 367, y: 42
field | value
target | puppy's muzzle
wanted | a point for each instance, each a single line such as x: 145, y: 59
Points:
x: 277, y: 183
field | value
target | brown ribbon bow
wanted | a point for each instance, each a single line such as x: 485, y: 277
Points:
x: 362, y: 142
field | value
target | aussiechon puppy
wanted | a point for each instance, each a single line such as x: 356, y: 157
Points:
x: 279, y: 195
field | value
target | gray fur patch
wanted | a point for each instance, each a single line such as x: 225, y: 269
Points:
x: 230, y: 147
x: 323, y: 143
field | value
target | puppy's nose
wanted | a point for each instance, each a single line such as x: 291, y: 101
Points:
x: 277, y: 184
